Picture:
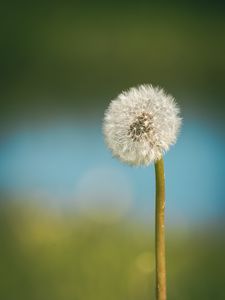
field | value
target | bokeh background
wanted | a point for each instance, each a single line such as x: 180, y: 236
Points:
x: 74, y: 222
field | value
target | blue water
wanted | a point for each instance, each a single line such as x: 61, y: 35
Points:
x: 52, y: 161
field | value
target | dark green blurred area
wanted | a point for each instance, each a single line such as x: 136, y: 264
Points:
x: 62, y: 56
x: 47, y: 257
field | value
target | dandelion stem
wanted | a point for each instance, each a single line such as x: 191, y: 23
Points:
x: 160, y: 231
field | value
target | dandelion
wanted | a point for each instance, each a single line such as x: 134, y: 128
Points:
x: 139, y: 126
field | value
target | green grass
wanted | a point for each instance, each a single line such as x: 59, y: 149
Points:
x: 43, y: 256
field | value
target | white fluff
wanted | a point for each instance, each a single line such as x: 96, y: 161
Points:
x: 141, y: 124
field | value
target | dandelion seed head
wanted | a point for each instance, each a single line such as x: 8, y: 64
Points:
x: 141, y: 124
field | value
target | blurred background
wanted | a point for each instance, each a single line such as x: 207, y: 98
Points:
x: 74, y: 222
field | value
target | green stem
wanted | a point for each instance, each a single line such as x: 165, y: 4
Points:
x: 160, y: 231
